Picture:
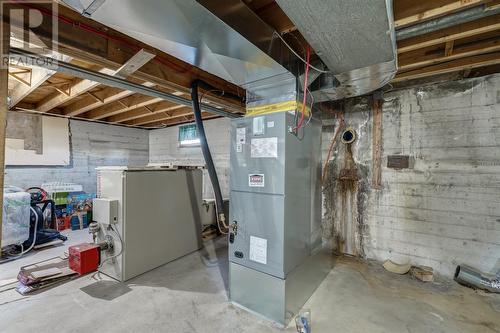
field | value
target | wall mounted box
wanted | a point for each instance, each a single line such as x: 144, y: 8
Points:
x: 105, y: 210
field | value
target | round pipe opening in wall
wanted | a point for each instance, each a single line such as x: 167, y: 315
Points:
x: 348, y: 136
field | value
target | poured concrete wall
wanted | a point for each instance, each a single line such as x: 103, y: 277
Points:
x: 92, y: 145
x: 443, y: 211
x: 164, y: 148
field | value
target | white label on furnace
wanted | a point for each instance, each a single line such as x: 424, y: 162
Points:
x: 258, y: 125
x: 241, y: 135
x: 264, y: 147
x: 270, y: 124
x: 258, y: 250
x: 239, y: 147
x: 256, y: 180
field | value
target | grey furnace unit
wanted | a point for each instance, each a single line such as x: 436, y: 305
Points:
x: 156, y: 212
x: 276, y: 259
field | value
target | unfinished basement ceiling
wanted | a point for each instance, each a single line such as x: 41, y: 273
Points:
x: 463, y: 50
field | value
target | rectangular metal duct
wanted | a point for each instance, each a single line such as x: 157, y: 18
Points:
x: 190, y: 32
x: 355, y: 39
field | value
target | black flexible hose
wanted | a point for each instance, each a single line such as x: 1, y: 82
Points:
x: 214, y: 179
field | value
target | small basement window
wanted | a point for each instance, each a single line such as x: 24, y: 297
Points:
x: 188, y: 136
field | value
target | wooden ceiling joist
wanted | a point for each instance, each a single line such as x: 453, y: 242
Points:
x: 92, y: 42
x: 437, y: 12
x: 451, y: 66
x: 180, y: 120
x: 134, y: 63
x: 123, y: 105
x: 160, y: 116
x: 161, y: 107
x: 465, y: 30
x: 99, y: 98
x: 461, y: 48
x: 38, y: 77
x: 418, y: 60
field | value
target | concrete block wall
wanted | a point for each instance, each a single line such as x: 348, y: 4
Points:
x: 443, y: 211
x: 164, y: 148
x: 92, y: 145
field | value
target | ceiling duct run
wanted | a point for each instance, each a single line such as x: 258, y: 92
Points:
x: 355, y: 39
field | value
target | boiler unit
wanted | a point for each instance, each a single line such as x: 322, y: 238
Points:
x: 152, y: 216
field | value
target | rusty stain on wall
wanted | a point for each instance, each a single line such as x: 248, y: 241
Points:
x: 345, y: 192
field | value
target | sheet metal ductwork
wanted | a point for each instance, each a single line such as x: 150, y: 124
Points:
x: 190, y: 32
x: 355, y: 39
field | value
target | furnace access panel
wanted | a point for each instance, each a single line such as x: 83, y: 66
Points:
x: 271, y: 192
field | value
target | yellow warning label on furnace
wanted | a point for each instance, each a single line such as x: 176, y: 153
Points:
x: 276, y: 107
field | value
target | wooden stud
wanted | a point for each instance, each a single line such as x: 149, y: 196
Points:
x: 377, y: 143
x: 448, y: 49
x: 4, y: 92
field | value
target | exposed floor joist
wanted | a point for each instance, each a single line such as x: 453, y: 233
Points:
x: 127, y: 104
x: 134, y: 63
x: 461, y: 48
x: 469, y: 50
x: 452, y: 66
x: 450, y: 34
x: 437, y: 12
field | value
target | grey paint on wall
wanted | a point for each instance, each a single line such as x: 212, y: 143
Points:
x: 445, y: 210
x: 164, y: 148
x: 27, y: 127
x: 92, y: 145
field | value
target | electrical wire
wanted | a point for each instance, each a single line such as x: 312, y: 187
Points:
x: 298, y: 56
x: 224, y: 224
x: 311, y: 107
x: 116, y: 255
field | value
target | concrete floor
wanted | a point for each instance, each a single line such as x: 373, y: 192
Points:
x: 189, y: 295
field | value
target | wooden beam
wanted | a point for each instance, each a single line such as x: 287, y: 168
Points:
x: 413, y: 61
x: 448, y: 49
x: 163, y: 107
x: 4, y: 107
x: 106, y: 96
x: 133, y: 64
x: 38, y: 77
x: 161, y: 116
x: 180, y: 120
x: 452, y: 66
x: 495, y: 4
x: 123, y: 105
x: 377, y: 143
x: 470, y: 29
x: 437, y: 12
x: 93, y: 42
